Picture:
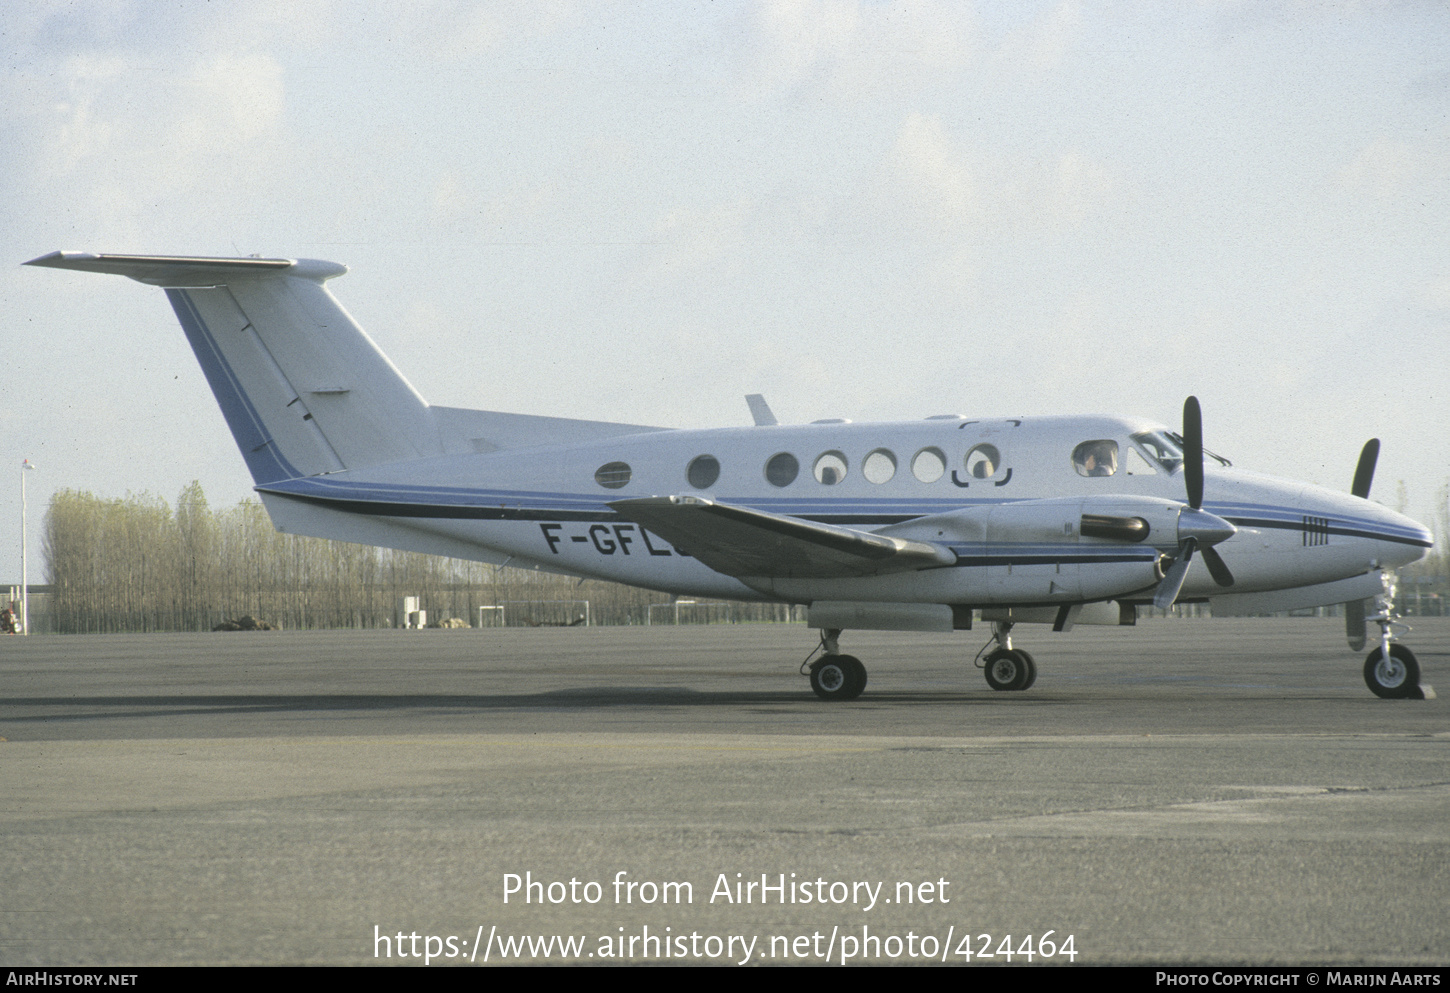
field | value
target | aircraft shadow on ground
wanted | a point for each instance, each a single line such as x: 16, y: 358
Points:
x: 115, y: 707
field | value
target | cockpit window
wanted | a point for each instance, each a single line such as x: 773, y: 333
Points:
x: 1096, y: 458
x: 1178, y: 439
x: 1166, y: 448
x: 1161, y: 448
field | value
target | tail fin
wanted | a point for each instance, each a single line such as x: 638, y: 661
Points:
x: 302, y: 387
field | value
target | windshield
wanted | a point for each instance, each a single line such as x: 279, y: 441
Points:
x: 1161, y: 447
x: 1166, y: 448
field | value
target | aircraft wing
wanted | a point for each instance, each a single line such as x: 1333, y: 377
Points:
x: 738, y: 541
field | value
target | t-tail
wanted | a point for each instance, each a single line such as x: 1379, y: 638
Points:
x: 303, y: 388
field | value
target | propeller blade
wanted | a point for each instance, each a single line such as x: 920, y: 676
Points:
x: 1193, y: 452
x: 1354, y: 624
x: 1217, y: 568
x: 1364, y: 472
x: 1173, y: 579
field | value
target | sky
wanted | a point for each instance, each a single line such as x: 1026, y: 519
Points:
x: 644, y: 211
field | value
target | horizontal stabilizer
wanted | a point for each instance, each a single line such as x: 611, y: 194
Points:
x: 741, y: 542
x: 187, y: 271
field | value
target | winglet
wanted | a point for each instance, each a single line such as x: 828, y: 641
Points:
x: 760, y: 410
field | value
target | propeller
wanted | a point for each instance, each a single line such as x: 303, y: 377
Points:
x: 1369, y: 455
x: 1354, y: 626
x: 1198, y: 530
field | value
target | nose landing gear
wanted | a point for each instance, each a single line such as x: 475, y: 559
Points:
x: 1391, y: 671
x: 1396, y: 677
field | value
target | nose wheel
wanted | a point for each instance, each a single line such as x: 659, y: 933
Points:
x: 1396, y: 677
x: 1391, y: 671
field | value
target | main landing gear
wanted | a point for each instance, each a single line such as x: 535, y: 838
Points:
x: 1008, y: 668
x: 835, y: 676
x: 842, y: 677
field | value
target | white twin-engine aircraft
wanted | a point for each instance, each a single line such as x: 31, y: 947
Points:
x: 905, y: 526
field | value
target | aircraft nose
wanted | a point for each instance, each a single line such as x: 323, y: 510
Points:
x: 1206, y: 528
x: 1404, y: 540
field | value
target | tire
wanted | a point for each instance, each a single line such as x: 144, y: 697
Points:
x: 1031, y: 669
x: 838, y: 678
x: 1399, y: 679
x: 1008, y: 669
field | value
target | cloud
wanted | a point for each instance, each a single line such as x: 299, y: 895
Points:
x: 460, y: 30
x: 932, y: 174
x: 855, y: 47
x: 1042, y: 44
x: 209, y: 128
x: 932, y: 184
x: 692, y: 239
x: 1390, y: 169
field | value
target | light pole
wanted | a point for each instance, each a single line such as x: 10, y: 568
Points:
x: 25, y: 466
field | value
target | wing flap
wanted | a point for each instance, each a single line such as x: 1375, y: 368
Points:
x: 738, y: 541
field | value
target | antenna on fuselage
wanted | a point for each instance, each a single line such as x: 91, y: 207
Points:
x: 760, y: 410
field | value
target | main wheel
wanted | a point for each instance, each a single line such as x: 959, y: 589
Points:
x: 838, y: 677
x: 1031, y: 669
x: 1395, y: 679
x: 1009, y: 669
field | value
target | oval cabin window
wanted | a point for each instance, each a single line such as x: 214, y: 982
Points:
x: 782, y: 469
x: 703, y: 472
x: 613, y: 475
x: 830, y: 468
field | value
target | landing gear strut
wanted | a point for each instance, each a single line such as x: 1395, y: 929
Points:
x: 1391, y: 671
x: 1008, y: 668
x: 836, y: 676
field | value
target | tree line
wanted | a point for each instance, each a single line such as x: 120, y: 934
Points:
x: 137, y: 564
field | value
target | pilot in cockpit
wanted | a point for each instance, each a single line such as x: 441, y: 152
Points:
x: 1096, y: 458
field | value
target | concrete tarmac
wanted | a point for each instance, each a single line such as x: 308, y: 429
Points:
x: 1182, y: 792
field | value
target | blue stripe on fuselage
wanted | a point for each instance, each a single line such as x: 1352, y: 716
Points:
x: 468, y: 503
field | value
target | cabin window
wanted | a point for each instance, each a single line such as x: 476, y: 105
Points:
x: 613, y: 475
x: 703, y: 471
x: 983, y: 461
x: 879, y: 466
x: 928, y: 465
x: 782, y: 469
x: 1096, y: 458
x: 830, y: 468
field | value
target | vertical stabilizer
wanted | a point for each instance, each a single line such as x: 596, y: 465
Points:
x: 302, y: 387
